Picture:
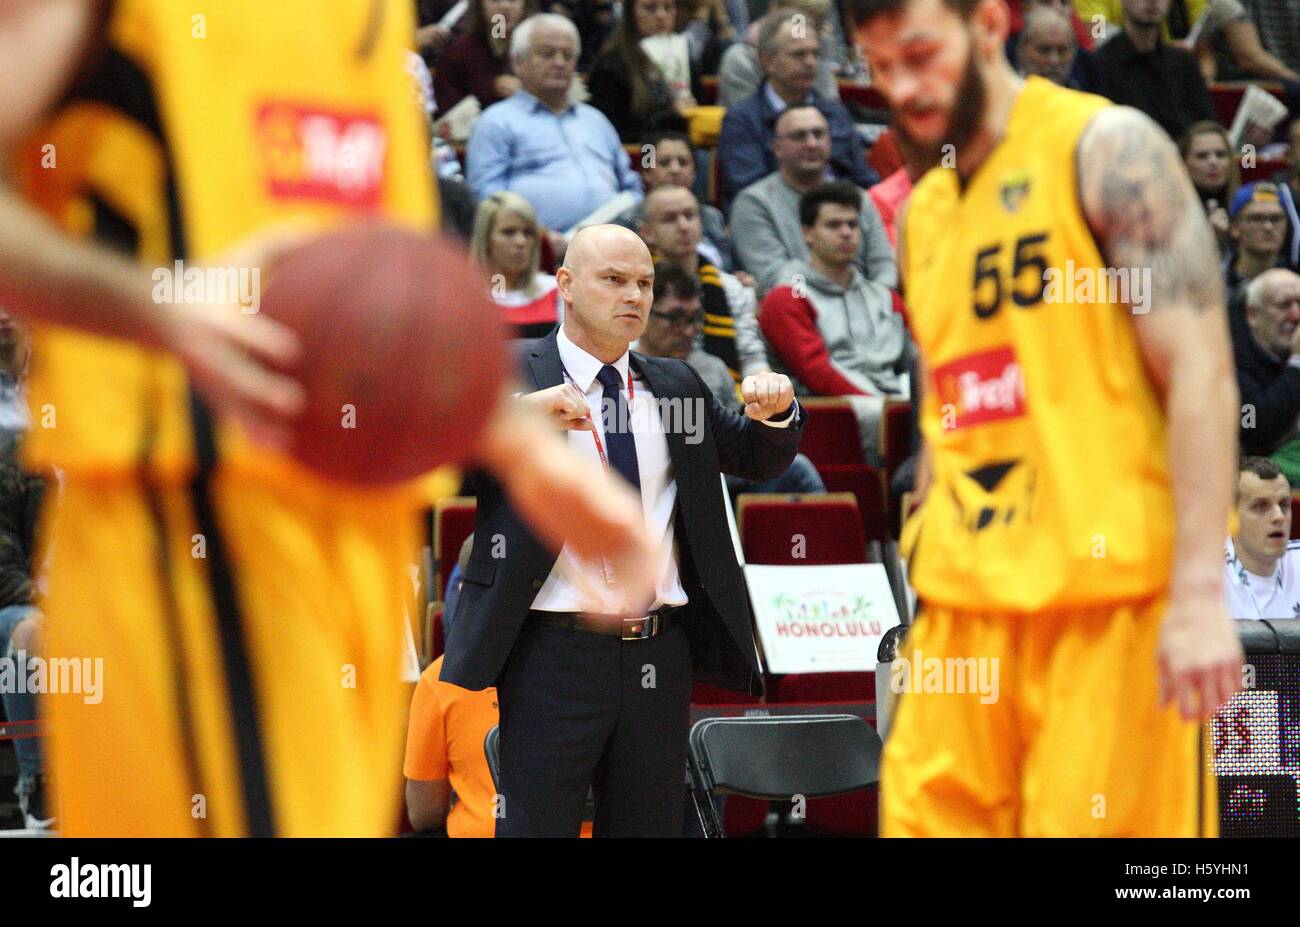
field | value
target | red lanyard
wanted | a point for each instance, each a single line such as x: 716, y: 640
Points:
x: 595, y: 435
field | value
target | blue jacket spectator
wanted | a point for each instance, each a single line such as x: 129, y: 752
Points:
x: 789, y: 53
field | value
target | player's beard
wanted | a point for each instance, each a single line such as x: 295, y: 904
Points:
x: 964, y: 121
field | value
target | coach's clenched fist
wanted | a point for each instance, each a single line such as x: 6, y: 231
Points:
x: 563, y: 405
x: 766, y: 394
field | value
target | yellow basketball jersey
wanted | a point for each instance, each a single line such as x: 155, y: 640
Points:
x: 1051, y: 482
x: 191, y: 129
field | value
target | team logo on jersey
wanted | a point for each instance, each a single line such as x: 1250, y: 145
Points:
x: 332, y: 156
x: 1014, y: 189
x: 979, y: 388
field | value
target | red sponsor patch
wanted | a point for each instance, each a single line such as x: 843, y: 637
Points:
x: 310, y: 153
x: 984, y: 387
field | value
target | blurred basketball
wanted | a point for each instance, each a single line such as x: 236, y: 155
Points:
x: 403, y: 352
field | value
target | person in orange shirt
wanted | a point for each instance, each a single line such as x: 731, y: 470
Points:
x: 444, y: 753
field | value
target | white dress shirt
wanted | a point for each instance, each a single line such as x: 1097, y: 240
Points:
x: 560, y: 593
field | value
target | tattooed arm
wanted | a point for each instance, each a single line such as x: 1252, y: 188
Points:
x: 1144, y: 213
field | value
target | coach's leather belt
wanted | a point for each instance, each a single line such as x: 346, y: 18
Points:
x: 648, y: 625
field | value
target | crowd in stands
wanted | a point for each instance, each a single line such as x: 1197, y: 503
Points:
x: 741, y: 141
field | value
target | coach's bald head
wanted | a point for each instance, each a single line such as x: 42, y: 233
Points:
x: 607, y: 282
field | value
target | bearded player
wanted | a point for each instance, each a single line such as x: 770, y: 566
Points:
x: 1079, y: 446
x: 248, y: 614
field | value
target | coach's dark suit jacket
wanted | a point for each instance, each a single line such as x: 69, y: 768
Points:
x: 497, y: 593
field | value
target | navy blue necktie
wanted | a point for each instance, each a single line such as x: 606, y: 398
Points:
x: 620, y: 446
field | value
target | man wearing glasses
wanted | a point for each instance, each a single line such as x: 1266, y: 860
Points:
x: 1258, y: 230
x: 676, y: 320
x: 765, y: 227
x: 789, y: 54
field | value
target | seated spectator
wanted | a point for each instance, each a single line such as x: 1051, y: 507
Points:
x: 671, y: 159
x: 1213, y: 170
x: 20, y: 624
x: 15, y: 351
x: 834, y: 332
x: 445, y: 754
x: 1222, y: 28
x: 1020, y: 10
x: 789, y: 55
x: 1258, y: 38
x: 476, y: 63
x: 670, y: 226
x: 626, y: 84
x: 1261, y: 569
x: 563, y: 157
x: 1288, y: 185
x: 740, y: 75
x: 1141, y: 70
x: 676, y: 320
x: 507, y: 245
x: 1047, y: 47
x: 765, y: 226
x: 709, y: 28
x: 1257, y: 229
x: 1266, y: 347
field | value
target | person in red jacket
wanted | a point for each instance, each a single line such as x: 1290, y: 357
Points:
x: 834, y: 332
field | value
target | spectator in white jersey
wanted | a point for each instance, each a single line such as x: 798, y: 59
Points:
x: 1262, y: 563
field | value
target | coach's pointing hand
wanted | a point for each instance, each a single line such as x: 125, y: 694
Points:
x: 563, y: 405
x: 766, y: 394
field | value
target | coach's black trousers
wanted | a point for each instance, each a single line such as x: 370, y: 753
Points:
x: 580, y: 710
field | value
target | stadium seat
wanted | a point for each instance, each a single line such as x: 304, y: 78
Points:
x: 840, y: 688
x: 707, y: 694
x: 832, y: 532
x: 774, y: 758
x: 800, y: 530
x: 831, y: 433
x: 453, y: 521
x: 708, y: 90
x: 895, y: 434
x: 867, y: 484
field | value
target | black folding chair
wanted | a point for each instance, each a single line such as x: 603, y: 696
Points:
x: 492, y: 748
x: 778, y: 758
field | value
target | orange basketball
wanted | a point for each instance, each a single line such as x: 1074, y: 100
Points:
x: 403, y: 353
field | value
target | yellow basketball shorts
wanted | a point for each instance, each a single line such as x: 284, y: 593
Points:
x: 1042, y: 725
x: 251, y: 654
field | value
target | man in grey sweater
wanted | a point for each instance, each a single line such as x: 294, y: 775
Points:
x: 765, y: 228
x: 833, y: 331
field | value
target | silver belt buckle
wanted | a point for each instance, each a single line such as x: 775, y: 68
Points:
x: 637, y: 629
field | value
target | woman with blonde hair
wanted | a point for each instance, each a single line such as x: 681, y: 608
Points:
x: 506, y: 244
x: 1212, y: 167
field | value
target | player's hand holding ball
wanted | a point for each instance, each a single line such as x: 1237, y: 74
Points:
x: 239, y: 360
x: 766, y: 394
x: 1200, y: 656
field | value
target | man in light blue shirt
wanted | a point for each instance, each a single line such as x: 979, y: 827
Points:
x: 563, y: 157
